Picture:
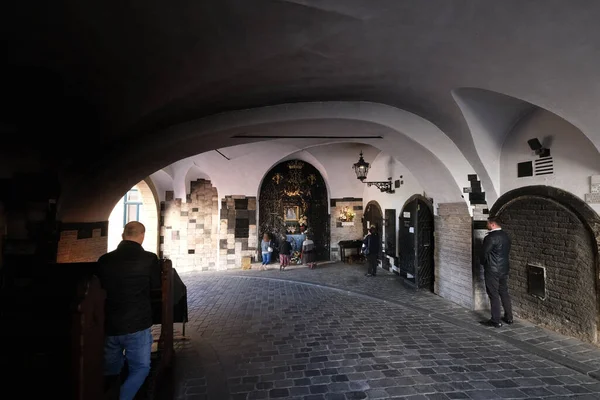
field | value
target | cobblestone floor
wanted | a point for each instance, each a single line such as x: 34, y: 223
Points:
x: 332, y: 333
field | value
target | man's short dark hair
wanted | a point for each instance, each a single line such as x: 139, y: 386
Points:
x: 495, y: 220
x: 133, y: 229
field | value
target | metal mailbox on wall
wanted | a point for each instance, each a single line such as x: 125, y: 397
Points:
x: 536, y: 281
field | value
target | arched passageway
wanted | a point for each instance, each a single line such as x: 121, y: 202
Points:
x: 373, y: 216
x: 554, y: 257
x: 138, y: 204
x: 293, y: 201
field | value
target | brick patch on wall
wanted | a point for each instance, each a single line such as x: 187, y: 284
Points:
x: 82, y: 242
x: 189, y: 233
x: 339, y: 232
x: 547, y: 234
x: 453, y: 262
x: 237, y: 241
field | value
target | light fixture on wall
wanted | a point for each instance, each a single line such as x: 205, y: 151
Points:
x: 536, y: 145
x: 361, y: 168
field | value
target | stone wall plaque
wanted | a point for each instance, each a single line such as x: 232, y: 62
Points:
x: 592, y: 197
x: 595, y: 184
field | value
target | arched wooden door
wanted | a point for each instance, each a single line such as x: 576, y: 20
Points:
x: 373, y: 216
x: 415, y: 243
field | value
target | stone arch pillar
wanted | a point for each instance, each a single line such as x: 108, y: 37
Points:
x: 554, y: 233
x: 190, y: 229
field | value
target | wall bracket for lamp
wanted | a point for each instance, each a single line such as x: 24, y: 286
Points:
x: 383, y: 186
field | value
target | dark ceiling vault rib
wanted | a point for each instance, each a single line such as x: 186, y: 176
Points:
x: 224, y: 156
x: 303, y: 137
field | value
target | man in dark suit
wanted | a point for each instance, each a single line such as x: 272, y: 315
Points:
x: 127, y: 274
x: 495, y: 261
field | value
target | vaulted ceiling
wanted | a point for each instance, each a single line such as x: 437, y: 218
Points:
x: 86, y: 77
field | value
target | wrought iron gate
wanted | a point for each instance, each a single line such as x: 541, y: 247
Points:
x: 424, y: 245
x: 415, y: 244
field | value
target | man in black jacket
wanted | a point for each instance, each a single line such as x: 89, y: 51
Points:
x: 495, y: 261
x: 127, y: 274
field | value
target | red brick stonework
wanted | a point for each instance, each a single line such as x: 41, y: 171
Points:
x: 547, y: 234
x: 82, y: 242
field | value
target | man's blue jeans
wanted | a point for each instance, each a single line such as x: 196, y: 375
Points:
x: 266, y: 258
x: 138, y: 348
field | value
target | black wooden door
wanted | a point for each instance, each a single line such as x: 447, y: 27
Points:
x: 406, y: 241
x: 373, y: 217
x: 390, y: 236
x: 424, y: 246
x: 328, y: 252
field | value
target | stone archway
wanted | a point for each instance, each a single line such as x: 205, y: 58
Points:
x: 290, y: 190
x: 373, y: 215
x: 144, y: 205
x: 554, y: 258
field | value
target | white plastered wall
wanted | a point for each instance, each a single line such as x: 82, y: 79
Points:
x: 575, y: 158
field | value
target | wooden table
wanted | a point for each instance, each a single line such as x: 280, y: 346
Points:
x: 349, y: 244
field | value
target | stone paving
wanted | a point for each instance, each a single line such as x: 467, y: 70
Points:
x: 332, y: 333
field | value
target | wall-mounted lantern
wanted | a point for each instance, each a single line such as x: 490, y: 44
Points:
x: 361, y: 168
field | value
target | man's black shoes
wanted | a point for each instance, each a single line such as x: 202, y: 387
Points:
x: 507, y: 321
x: 492, y: 323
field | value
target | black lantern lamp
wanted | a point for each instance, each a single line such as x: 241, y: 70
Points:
x: 361, y: 168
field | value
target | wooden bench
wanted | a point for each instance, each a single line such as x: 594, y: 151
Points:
x: 52, y: 332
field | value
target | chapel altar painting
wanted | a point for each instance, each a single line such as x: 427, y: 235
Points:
x: 292, y: 213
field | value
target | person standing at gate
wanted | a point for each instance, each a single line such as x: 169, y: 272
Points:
x: 266, y: 248
x: 285, y: 250
x: 309, y: 252
x: 495, y: 260
x: 372, y: 244
x: 128, y: 274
